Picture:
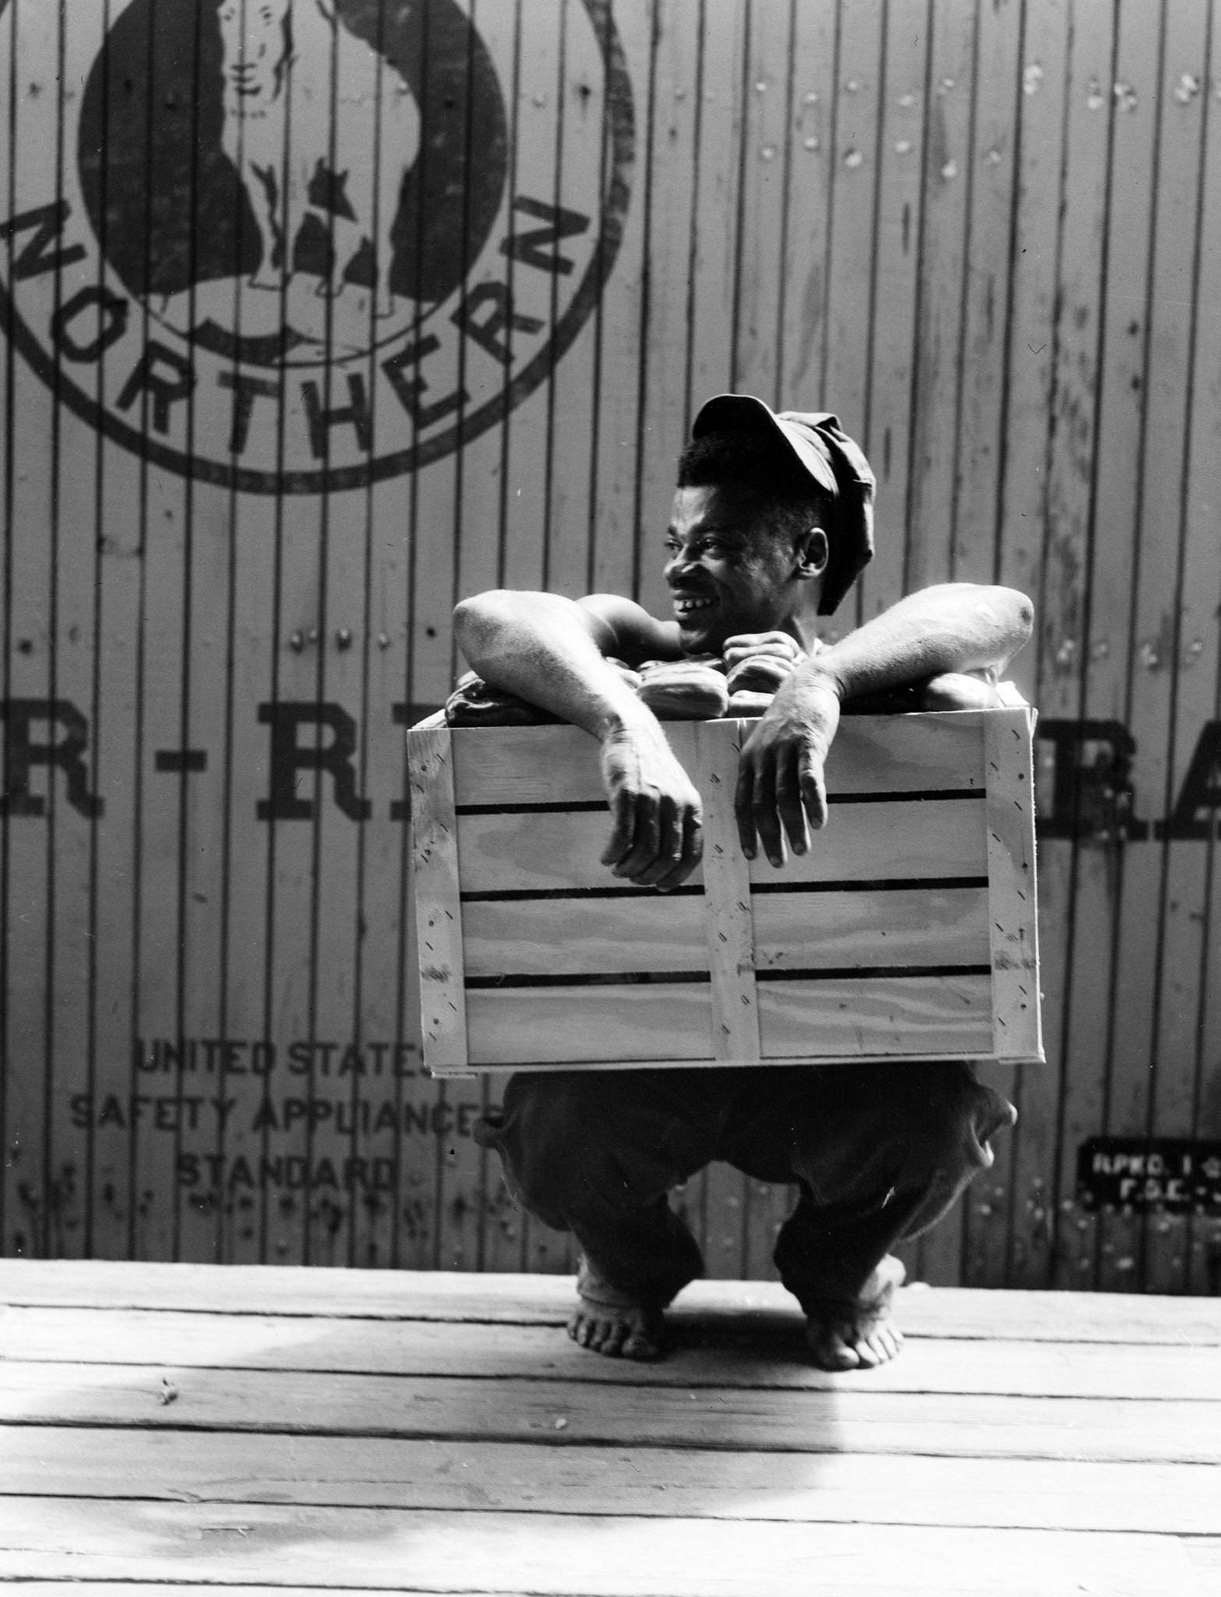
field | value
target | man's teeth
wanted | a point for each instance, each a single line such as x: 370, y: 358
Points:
x: 686, y: 606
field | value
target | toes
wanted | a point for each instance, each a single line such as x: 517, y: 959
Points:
x: 831, y: 1352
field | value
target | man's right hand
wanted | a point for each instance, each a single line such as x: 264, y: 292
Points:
x: 657, y: 836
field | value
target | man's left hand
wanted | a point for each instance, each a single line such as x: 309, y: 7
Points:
x: 781, y: 788
x: 759, y: 662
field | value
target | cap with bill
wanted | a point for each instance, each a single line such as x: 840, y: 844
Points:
x: 830, y: 458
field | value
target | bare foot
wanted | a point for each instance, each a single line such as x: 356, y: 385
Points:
x: 859, y: 1335
x: 611, y: 1322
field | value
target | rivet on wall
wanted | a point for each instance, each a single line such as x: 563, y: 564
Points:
x: 903, y: 147
x: 1095, y: 99
x: 1032, y: 78
x: 1186, y: 88
x: 949, y: 170
x: 854, y: 158
x: 1126, y: 96
x: 812, y: 143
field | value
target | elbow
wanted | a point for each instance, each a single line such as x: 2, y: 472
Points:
x: 1022, y: 611
x: 476, y: 621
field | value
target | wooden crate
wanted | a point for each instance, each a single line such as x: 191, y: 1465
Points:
x: 908, y: 931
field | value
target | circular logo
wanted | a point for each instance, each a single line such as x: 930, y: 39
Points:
x: 303, y: 245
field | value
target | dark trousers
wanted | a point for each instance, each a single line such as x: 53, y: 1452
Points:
x: 878, y: 1153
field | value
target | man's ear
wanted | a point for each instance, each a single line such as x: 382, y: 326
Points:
x: 812, y: 553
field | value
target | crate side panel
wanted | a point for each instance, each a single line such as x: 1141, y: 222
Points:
x: 943, y: 926
x: 851, y: 1017
x: 582, y: 1025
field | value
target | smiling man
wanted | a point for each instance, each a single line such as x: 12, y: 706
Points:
x: 772, y: 522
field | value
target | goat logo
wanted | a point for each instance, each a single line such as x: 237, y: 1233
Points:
x: 298, y: 246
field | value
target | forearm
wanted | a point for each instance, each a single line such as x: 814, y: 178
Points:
x: 540, y: 647
x: 957, y: 627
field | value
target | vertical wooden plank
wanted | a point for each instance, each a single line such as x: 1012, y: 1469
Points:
x: 1203, y: 498
x: 1068, y: 545
x: 116, y: 709
x: 31, y: 169
x: 936, y: 386
x: 852, y: 209
x: 729, y: 926
x: 616, y: 441
x: 581, y: 118
x: 1191, y: 654
x: 438, y: 910
x: 895, y: 293
x: 8, y: 356
x: 935, y: 389
x: 75, y: 551
x: 810, y: 226
x: 1088, y: 654
x: 666, y: 189
x: 1013, y: 931
x: 1135, y: 1090
x: 991, y: 171
x: 461, y: 1170
x: 192, y: 770
x: 1025, y: 1158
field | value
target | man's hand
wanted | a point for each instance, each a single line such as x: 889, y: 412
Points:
x: 760, y: 661
x: 657, y: 836
x: 781, y: 788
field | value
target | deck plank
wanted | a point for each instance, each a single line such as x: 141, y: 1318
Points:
x: 639, y: 1480
x: 556, y: 1554
x: 574, y: 1412
x: 542, y: 1299
x: 705, y: 1352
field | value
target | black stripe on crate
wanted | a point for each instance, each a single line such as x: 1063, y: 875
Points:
x: 630, y: 978
x: 549, y: 807
x: 872, y: 972
x: 625, y: 978
x: 507, y: 894
x: 575, y: 806
x: 918, y: 795
x: 887, y: 884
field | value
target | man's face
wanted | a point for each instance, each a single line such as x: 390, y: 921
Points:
x: 728, y: 570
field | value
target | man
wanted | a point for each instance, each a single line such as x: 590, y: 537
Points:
x: 771, y: 524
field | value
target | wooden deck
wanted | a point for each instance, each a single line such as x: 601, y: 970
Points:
x: 261, y: 1429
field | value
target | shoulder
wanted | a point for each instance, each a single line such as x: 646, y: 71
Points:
x: 626, y: 630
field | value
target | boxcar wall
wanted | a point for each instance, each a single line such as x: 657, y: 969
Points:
x: 321, y: 313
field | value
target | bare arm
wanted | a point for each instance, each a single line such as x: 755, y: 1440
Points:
x: 954, y: 628
x: 552, y: 652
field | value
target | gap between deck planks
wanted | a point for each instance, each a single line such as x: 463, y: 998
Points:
x: 227, y: 1425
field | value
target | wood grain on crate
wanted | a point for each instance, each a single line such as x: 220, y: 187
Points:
x: 908, y: 929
